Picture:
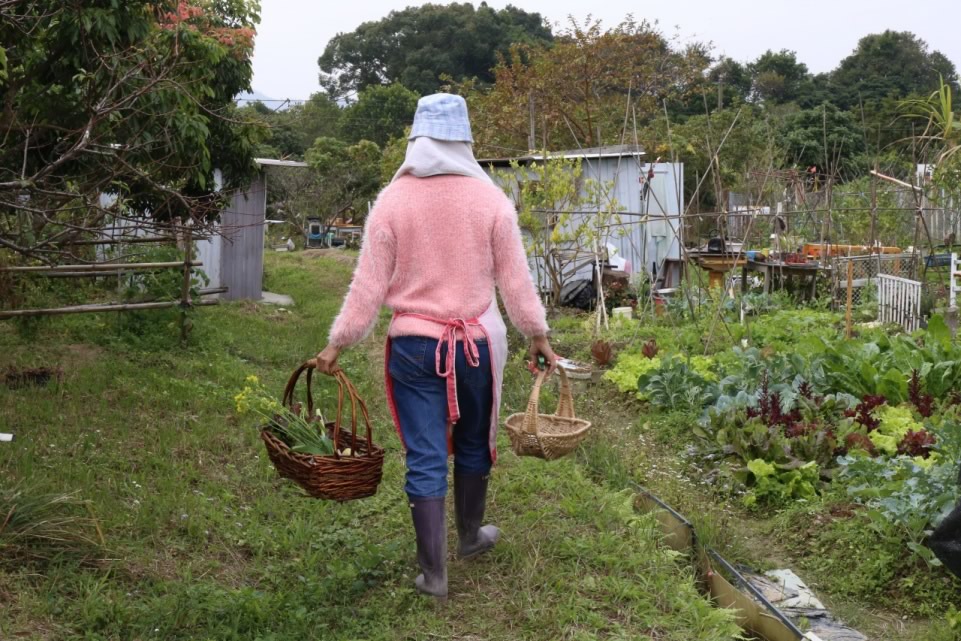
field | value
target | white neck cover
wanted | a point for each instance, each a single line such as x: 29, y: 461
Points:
x: 431, y: 157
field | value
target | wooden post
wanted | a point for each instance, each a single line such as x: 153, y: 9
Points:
x: 847, y: 321
x: 185, y: 303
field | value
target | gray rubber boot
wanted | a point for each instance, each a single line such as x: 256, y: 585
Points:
x: 470, y: 496
x: 430, y: 527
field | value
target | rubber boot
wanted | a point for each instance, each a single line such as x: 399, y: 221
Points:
x: 470, y: 496
x: 430, y: 527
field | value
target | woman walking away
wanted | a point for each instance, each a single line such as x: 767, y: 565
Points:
x: 439, y: 239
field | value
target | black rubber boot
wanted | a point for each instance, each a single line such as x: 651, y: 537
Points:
x: 430, y: 526
x: 470, y: 496
x: 945, y: 541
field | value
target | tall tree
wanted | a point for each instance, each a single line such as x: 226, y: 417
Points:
x: 732, y: 79
x: 893, y: 64
x: 349, y: 173
x: 778, y: 77
x: 576, y: 92
x: 417, y: 45
x: 292, y: 130
x: 135, y: 100
x: 380, y: 113
x: 825, y: 137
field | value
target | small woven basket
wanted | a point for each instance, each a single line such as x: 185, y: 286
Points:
x: 547, y: 436
x: 335, y: 477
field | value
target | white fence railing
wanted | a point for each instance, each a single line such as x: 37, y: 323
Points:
x: 955, y: 275
x: 899, y: 301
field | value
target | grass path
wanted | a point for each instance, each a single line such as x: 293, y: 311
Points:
x: 203, y: 541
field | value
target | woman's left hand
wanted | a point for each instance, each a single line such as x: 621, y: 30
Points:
x: 326, y: 361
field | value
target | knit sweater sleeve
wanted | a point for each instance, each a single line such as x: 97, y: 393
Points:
x: 375, y: 267
x: 513, y: 275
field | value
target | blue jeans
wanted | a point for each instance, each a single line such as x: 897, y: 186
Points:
x: 420, y: 397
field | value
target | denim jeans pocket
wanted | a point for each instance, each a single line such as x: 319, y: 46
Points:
x: 407, y: 356
x: 480, y: 376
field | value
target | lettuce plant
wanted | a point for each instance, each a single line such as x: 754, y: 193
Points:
x: 778, y: 485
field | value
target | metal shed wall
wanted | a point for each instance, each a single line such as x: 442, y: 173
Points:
x: 242, y: 228
x: 648, y: 229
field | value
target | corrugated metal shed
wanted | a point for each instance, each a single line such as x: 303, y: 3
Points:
x: 234, y: 258
x: 648, y: 234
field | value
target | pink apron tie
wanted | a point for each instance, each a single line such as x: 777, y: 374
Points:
x: 447, y: 369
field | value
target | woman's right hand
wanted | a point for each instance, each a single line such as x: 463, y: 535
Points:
x: 540, y: 346
x: 326, y: 361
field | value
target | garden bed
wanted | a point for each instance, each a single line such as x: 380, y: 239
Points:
x: 837, y: 456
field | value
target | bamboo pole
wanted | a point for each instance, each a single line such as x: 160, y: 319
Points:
x: 97, y: 267
x: 121, y: 240
x: 95, y: 274
x: 847, y: 321
x: 90, y: 309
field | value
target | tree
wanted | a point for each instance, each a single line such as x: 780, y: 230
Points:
x: 732, y: 79
x: 135, y: 101
x: 349, y: 174
x: 417, y: 45
x: 750, y: 145
x: 890, y: 64
x: 577, y: 90
x: 293, y: 130
x: 825, y: 137
x: 294, y: 195
x: 777, y: 78
x: 318, y: 117
x: 395, y: 151
x: 380, y: 113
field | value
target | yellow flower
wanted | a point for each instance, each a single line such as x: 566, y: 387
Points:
x: 253, y: 380
x: 243, y: 401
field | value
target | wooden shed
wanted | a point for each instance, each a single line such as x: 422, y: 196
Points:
x: 234, y: 257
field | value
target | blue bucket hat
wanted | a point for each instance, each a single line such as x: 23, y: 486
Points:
x: 442, y: 116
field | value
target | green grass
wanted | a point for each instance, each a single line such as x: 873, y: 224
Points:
x: 204, y: 541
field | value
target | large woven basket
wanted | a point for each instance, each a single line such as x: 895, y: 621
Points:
x: 336, y: 477
x: 547, y: 436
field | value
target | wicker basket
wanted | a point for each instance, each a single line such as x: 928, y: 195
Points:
x: 336, y: 477
x: 547, y: 436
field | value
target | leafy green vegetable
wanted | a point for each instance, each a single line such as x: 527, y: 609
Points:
x: 904, y: 493
x: 629, y: 368
x: 896, y: 422
x: 774, y: 485
x: 677, y: 386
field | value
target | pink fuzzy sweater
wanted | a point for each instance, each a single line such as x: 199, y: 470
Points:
x: 438, y: 246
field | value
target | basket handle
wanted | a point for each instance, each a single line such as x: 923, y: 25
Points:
x: 288, y: 398
x: 565, y: 403
x: 355, y: 401
x: 343, y: 384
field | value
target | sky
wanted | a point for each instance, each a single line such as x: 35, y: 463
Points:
x: 293, y: 33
